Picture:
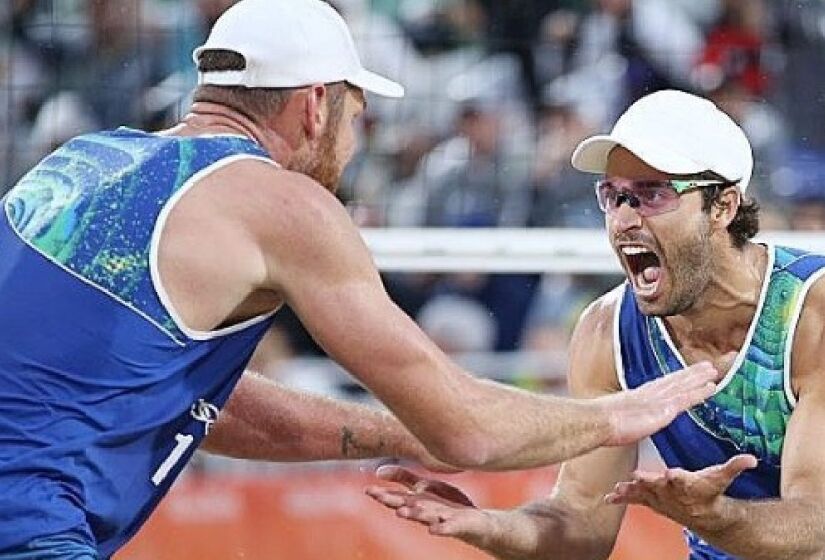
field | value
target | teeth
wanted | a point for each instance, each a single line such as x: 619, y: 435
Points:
x: 633, y: 250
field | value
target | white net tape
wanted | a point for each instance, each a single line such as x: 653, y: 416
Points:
x: 518, y: 250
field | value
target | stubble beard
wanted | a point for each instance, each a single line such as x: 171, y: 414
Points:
x: 322, y: 164
x: 689, y: 273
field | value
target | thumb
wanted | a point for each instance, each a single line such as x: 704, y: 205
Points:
x: 394, y: 473
x: 735, y: 466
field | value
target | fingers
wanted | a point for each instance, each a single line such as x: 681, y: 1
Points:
x: 420, y: 485
x: 724, y: 474
x: 739, y: 463
x: 394, y: 473
x: 626, y: 493
x: 446, y: 491
x: 648, y: 477
x: 393, y: 499
x: 683, y: 389
x: 696, y: 377
x: 702, y: 372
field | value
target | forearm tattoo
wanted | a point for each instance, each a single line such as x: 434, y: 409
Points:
x: 352, y: 447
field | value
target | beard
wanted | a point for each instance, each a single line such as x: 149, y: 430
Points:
x: 325, y: 168
x: 322, y: 164
x: 690, y: 263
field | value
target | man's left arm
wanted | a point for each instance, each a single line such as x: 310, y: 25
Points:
x: 266, y: 421
x: 789, y: 528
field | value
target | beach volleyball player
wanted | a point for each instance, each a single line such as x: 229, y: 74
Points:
x: 140, y: 269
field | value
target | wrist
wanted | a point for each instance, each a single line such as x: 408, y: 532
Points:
x: 511, y: 536
x: 721, y: 517
x: 607, y: 420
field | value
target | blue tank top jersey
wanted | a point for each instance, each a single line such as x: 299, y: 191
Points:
x: 106, y: 394
x: 754, y: 401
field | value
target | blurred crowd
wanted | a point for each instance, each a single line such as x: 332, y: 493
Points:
x: 499, y: 93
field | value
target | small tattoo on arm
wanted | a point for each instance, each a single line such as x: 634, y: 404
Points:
x: 351, y: 447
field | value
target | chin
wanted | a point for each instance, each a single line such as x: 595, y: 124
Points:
x: 651, y: 309
x: 662, y: 306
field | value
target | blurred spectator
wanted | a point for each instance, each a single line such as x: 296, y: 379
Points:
x: 560, y: 195
x: 559, y: 301
x: 364, y: 183
x: 558, y: 35
x: 628, y: 48
x: 734, y: 49
x: 764, y: 127
x: 457, y: 324
x: 440, y: 26
x: 734, y: 72
x: 61, y: 117
x: 513, y: 27
x: 23, y: 85
x: 472, y: 179
x: 126, y: 56
x: 802, y: 34
x: 801, y: 183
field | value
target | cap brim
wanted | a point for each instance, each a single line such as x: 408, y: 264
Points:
x: 591, y: 156
x: 372, y: 82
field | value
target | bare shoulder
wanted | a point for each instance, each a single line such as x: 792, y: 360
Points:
x: 597, y: 318
x: 265, y: 188
x: 808, y: 368
x: 282, y: 208
x: 301, y: 230
x: 592, y: 365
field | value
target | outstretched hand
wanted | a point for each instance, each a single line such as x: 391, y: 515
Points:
x: 645, y: 410
x: 689, y: 498
x: 442, y: 507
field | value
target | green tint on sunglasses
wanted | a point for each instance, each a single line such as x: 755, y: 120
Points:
x: 648, y: 197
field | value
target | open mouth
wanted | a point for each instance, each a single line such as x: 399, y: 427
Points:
x: 644, y: 268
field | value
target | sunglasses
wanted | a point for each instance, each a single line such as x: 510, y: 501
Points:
x: 648, y: 197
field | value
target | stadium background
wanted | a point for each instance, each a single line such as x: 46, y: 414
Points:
x: 499, y: 92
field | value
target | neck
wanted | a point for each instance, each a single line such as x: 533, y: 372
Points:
x: 212, y: 118
x: 723, y: 313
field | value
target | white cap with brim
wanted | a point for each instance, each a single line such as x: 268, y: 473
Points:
x: 676, y: 133
x: 289, y: 44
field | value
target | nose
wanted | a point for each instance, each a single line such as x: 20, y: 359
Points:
x: 624, y: 218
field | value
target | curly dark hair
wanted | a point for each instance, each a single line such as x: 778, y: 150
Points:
x: 745, y: 223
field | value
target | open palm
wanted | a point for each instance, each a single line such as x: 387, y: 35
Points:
x: 649, y: 408
x: 690, y: 498
x: 443, y: 508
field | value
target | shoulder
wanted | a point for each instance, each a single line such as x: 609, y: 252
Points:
x: 273, y: 201
x: 809, y: 340
x: 592, y: 364
x: 597, y: 318
x: 264, y: 182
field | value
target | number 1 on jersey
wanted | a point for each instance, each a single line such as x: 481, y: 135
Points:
x: 184, y: 441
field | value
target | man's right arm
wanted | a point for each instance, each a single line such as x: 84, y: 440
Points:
x: 316, y: 259
x: 573, y: 522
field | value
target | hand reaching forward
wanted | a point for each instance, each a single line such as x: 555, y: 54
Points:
x: 645, y: 410
x: 692, y: 499
x: 442, y: 507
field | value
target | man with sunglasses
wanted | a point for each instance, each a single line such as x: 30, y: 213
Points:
x: 744, y: 472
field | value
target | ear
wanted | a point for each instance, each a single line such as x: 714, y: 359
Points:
x: 315, y: 111
x: 724, y: 209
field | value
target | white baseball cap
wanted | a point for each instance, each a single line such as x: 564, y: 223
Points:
x: 677, y: 133
x: 289, y: 43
